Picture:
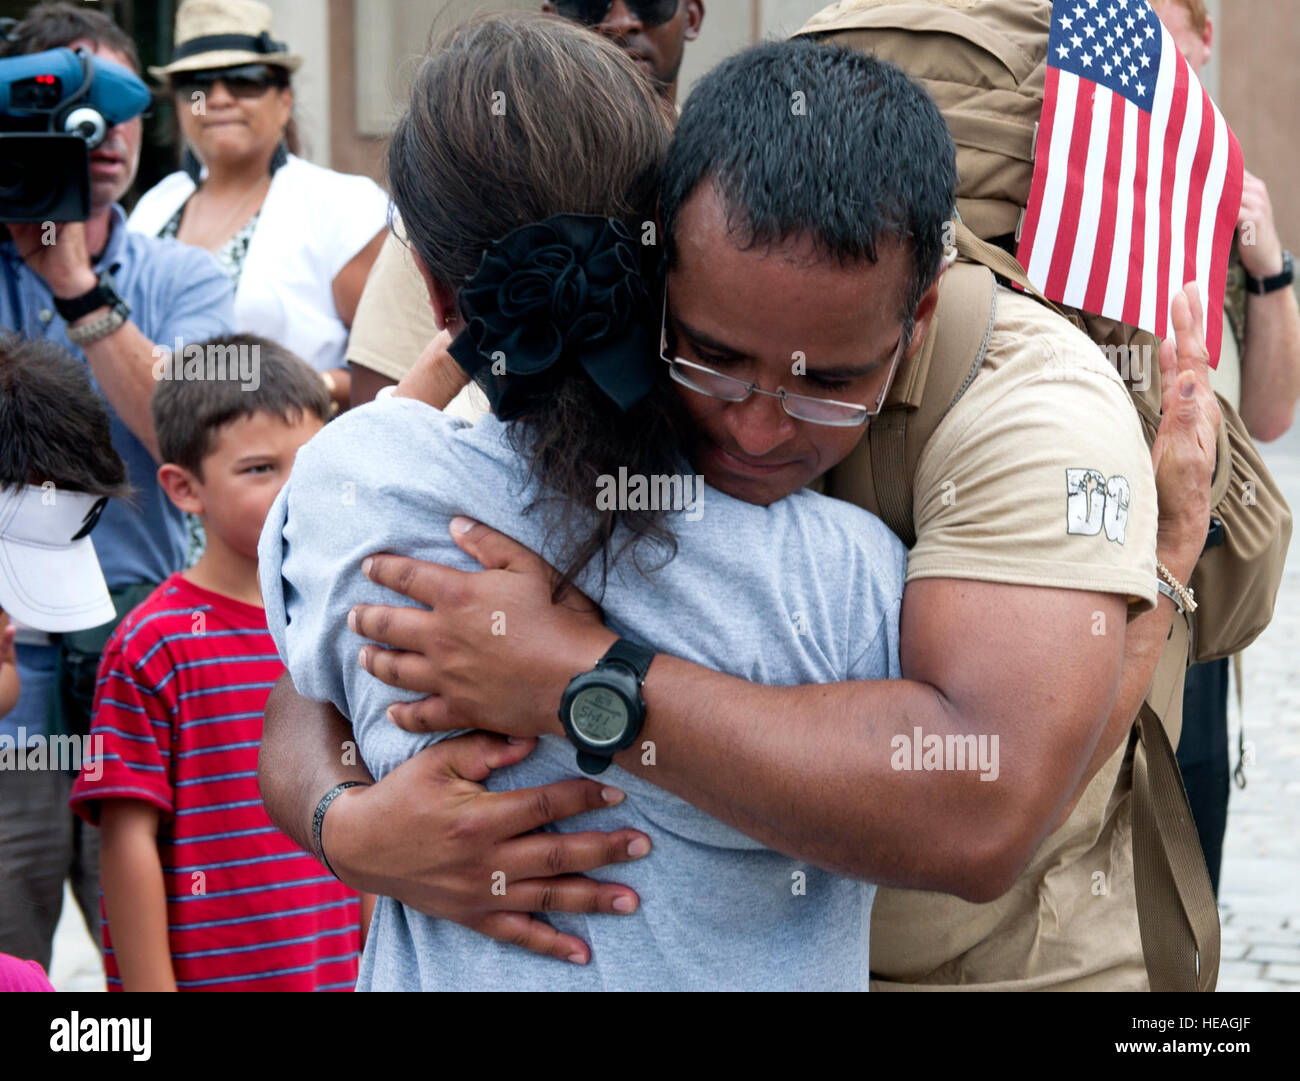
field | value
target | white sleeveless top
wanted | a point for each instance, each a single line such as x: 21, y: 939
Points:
x: 313, y: 222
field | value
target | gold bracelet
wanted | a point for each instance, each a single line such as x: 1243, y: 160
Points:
x: 1185, y: 595
x: 332, y: 387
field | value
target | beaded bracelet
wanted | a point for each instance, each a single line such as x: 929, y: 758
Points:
x: 318, y: 819
x: 1183, y: 594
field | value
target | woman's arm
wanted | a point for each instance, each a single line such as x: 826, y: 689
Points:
x: 435, y: 378
x: 135, y: 895
x: 347, y: 287
x: 351, y: 280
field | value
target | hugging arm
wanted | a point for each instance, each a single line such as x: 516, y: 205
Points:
x: 431, y: 836
x: 810, y: 771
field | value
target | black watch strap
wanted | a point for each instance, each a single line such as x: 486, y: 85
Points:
x: 591, y: 764
x: 1263, y: 286
x: 104, y: 293
x: 632, y: 656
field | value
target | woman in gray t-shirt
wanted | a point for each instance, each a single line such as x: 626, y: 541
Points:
x: 557, y: 325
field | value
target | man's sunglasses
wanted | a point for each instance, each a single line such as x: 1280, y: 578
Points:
x: 245, y: 81
x: 593, y: 12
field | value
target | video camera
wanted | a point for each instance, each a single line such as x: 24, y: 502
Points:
x: 55, y: 108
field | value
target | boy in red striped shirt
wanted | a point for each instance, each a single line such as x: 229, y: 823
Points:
x: 200, y: 890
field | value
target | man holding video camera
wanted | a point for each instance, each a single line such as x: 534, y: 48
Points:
x: 114, y: 298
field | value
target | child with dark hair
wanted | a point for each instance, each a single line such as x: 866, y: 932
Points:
x: 54, y: 441
x: 58, y: 469
x: 200, y: 890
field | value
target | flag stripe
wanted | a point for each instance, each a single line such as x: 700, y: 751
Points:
x: 1194, y: 269
x: 1226, y: 225
x: 1053, y: 198
x: 1132, y: 311
x: 1068, y: 233
x: 1107, y: 291
x: 1081, y: 262
x: 1169, y: 166
x: 1183, y: 164
x: 1098, y: 265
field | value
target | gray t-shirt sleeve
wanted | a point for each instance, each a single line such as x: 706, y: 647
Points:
x: 341, y: 503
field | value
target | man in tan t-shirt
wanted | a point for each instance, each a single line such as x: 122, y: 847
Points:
x: 1030, y: 616
x: 1046, y: 427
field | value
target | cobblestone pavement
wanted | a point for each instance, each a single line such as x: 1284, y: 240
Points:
x: 1260, y: 889
x: 1260, y: 893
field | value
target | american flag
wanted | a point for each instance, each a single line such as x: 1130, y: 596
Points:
x: 1137, y: 176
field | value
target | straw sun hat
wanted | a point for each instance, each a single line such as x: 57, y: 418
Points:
x: 224, y: 34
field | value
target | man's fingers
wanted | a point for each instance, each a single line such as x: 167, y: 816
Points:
x: 522, y: 930
x: 1188, y: 319
x: 1168, y: 358
x: 397, y: 628
x: 1188, y: 407
x: 570, y: 894
x: 495, y: 551
x: 413, y: 578
x: 523, y: 810
x: 430, y: 714
x: 540, y: 855
x: 397, y: 668
x: 475, y: 755
x: 435, y: 378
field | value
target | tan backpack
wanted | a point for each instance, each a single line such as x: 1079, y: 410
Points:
x: 984, y: 63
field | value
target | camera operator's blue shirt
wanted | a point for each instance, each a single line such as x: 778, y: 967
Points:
x: 174, y: 291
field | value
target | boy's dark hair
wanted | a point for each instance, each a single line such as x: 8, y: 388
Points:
x: 56, y: 25
x: 804, y: 139
x: 189, y: 410
x: 53, y: 426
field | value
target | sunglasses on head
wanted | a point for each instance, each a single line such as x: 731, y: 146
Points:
x: 593, y: 12
x: 245, y: 81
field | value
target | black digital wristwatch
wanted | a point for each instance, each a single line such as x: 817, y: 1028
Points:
x: 104, y: 294
x: 1261, y: 287
x: 602, y: 710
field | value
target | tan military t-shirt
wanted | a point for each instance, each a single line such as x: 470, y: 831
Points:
x: 1039, y: 475
x: 394, y: 321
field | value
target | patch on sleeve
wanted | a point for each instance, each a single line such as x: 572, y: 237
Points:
x: 1094, y: 503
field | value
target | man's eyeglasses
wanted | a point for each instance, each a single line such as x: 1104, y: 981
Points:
x: 245, y: 81
x: 593, y: 12
x: 804, y: 407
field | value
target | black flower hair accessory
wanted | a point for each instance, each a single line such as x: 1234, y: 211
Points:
x: 564, y: 291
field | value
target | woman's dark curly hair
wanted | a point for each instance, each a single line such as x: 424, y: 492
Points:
x: 515, y: 118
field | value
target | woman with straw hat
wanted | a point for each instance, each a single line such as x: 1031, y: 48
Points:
x: 296, y: 239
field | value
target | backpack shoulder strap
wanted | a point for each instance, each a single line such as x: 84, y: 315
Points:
x: 880, y: 473
x: 1177, y: 913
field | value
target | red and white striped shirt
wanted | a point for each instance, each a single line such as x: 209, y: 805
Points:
x: 183, y: 683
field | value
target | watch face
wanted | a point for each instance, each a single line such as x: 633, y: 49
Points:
x: 598, y: 715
